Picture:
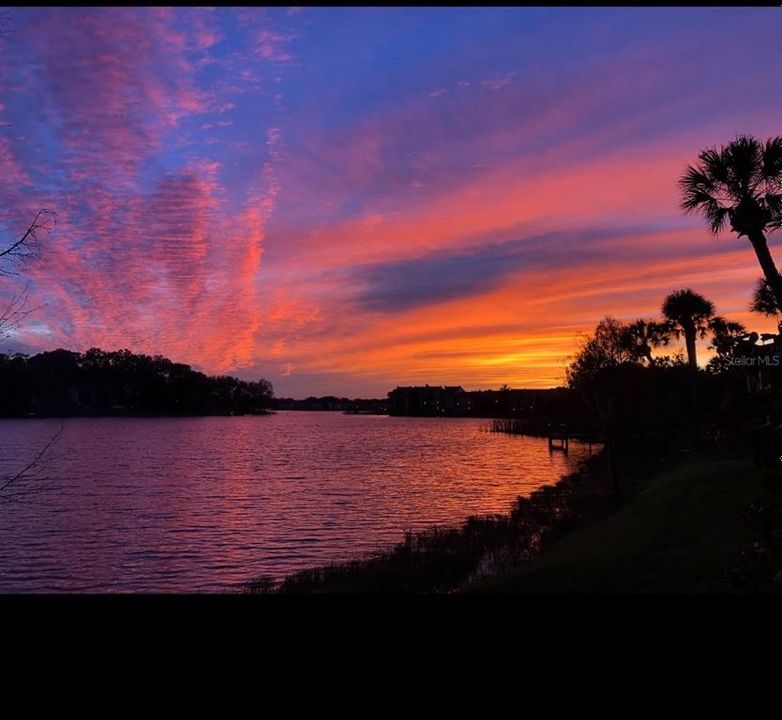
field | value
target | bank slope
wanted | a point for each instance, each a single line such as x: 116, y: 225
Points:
x: 682, y: 533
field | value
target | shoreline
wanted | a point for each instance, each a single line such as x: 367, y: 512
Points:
x: 99, y: 416
x: 449, y: 559
x: 704, y: 524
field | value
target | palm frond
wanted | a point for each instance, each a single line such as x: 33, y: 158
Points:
x: 717, y: 216
x: 694, y: 198
x: 772, y: 159
x: 696, y: 179
x: 715, y: 165
x: 744, y: 161
x: 763, y: 299
x: 686, y: 307
x: 737, y: 186
x: 773, y: 202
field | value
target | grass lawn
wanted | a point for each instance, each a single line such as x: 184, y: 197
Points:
x: 680, y: 534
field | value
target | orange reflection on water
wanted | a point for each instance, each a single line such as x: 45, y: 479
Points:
x: 201, y: 504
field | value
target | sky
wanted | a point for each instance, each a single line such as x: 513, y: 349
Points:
x: 343, y: 200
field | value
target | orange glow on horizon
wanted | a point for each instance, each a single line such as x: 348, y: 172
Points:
x: 269, y: 194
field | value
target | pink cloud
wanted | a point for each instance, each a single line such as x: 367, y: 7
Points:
x: 12, y: 173
x: 150, y: 260
x: 271, y: 45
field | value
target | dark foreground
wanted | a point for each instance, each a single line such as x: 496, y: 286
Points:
x: 689, y: 530
x: 449, y: 559
x: 707, y: 521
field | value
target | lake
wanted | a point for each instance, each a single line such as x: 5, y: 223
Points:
x: 204, y: 504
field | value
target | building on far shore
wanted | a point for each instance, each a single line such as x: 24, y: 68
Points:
x: 454, y: 401
x: 429, y: 400
x: 448, y: 401
x: 334, y: 404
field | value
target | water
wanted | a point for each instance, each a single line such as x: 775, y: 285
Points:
x: 204, y: 504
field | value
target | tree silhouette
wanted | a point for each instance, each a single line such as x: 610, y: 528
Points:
x: 14, y: 254
x: 739, y: 184
x: 689, y: 315
x: 726, y: 334
x: 643, y: 335
x: 606, y: 348
x: 763, y: 300
x: 62, y: 383
x: 19, y: 250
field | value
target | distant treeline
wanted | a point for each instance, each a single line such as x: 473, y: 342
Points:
x: 536, y: 406
x: 333, y: 403
x: 63, y: 383
x: 438, y: 401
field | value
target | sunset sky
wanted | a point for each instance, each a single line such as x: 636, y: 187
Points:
x: 345, y: 200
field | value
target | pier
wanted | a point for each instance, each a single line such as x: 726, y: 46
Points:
x: 559, y: 437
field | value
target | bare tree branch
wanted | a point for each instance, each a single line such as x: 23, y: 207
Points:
x: 12, y: 256
x: 26, y: 247
x: 29, y: 470
x: 14, y: 312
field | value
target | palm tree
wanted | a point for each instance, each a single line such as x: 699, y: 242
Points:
x: 688, y: 314
x: 740, y: 184
x: 643, y: 335
x: 763, y: 300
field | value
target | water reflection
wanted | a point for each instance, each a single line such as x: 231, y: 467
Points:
x: 202, y: 504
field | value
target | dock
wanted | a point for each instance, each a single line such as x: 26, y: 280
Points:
x: 559, y: 437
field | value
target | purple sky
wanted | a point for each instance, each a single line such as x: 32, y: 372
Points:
x: 343, y: 200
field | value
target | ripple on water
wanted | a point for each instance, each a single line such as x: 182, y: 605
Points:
x: 203, y: 504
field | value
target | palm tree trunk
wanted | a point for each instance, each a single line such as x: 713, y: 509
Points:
x: 689, y: 339
x: 773, y: 278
